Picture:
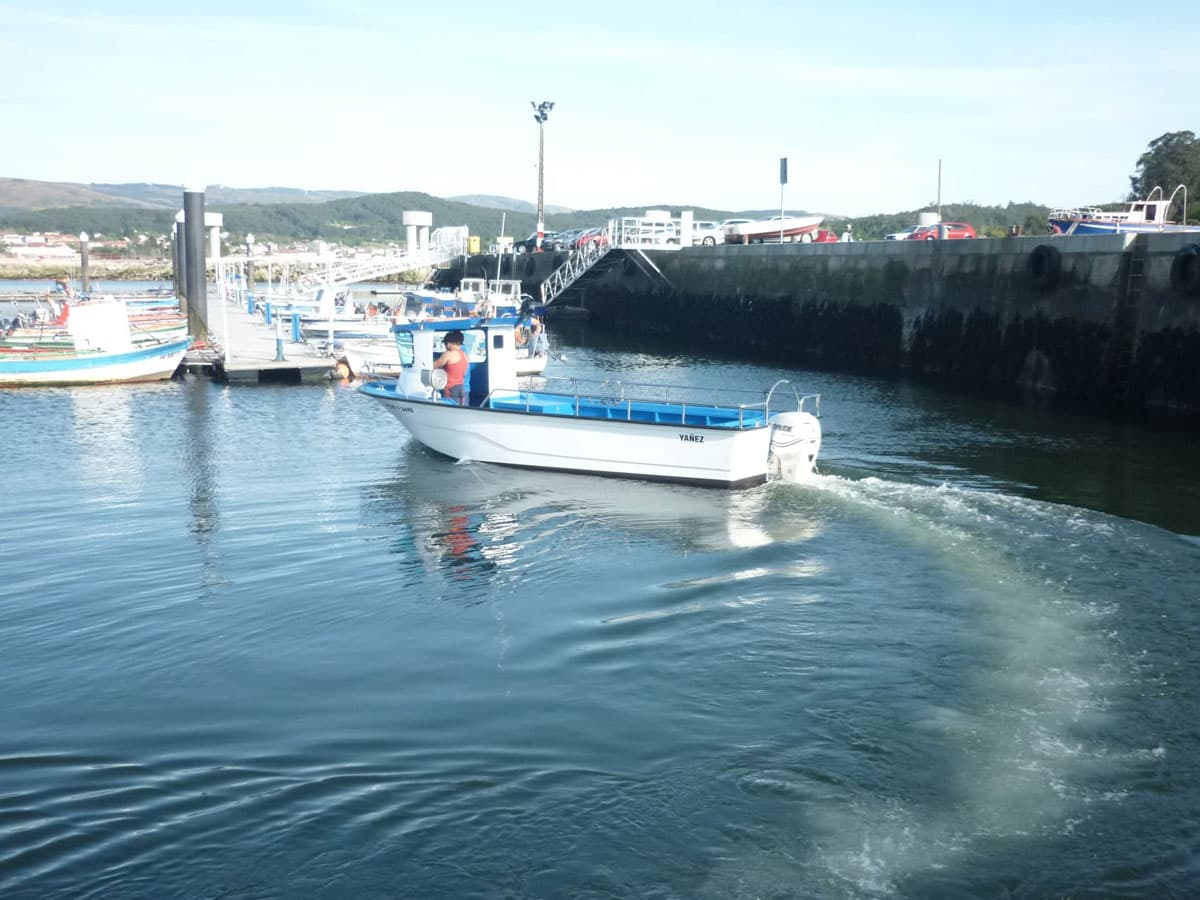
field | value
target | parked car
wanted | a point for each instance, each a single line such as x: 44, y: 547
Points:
x: 954, y: 231
x: 564, y: 240
x: 707, y: 234
x: 901, y: 235
x: 824, y: 236
x: 592, y: 236
x: 551, y: 240
x: 530, y: 243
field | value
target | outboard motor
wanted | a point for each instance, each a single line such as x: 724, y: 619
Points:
x: 795, y: 443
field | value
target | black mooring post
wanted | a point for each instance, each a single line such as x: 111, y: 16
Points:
x: 195, y: 267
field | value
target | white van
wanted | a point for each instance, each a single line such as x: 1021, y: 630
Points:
x: 707, y: 234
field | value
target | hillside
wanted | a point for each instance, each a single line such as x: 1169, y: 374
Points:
x: 27, y: 194
x: 125, y: 210
x: 491, y: 201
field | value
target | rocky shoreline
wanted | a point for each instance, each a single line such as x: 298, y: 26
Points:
x: 130, y: 270
x: 104, y: 269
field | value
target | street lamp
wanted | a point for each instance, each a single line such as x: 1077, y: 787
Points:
x: 85, y: 283
x: 541, y: 112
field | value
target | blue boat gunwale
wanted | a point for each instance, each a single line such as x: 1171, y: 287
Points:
x: 565, y: 406
x: 84, y: 360
x: 648, y: 412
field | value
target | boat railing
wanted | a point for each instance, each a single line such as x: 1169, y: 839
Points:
x: 667, y: 404
x: 1083, y: 212
x: 1171, y: 200
x: 802, y: 400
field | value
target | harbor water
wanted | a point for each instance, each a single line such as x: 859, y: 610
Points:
x: 256, y: 643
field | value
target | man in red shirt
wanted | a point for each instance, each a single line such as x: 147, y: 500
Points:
x: 455, y: 362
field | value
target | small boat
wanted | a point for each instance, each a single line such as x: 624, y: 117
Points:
x: 374, y: 322
x: 1140, y: 216
x: 654, y: 432
x: 47, y: 327
x: 790, y: 228
x: 101, y: 350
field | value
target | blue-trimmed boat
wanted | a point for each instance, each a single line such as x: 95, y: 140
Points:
x: 711, y: 437
x: 100, y: 350
x: 1141, y: 216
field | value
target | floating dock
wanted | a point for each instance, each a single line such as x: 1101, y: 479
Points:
x: 246, y: 350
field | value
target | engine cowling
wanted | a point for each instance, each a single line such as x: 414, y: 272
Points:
x: 795, y: 445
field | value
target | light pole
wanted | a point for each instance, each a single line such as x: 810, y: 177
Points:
x: 541, y: 112
x: 85, y: 284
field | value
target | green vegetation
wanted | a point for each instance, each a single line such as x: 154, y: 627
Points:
x: 376, y: 218
x: 1171, y: 159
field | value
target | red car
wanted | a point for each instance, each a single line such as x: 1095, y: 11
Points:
x: 824, y: 237
x: 591, y: 236
x: 955, y: 231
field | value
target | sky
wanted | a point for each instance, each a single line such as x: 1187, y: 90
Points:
x: 658, y: 103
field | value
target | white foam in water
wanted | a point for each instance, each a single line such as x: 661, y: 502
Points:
x: 1017, y: 759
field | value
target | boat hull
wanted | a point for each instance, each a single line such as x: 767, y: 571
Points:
x: 792, y: 228
x: 156, y: 363
x: 712, y: 456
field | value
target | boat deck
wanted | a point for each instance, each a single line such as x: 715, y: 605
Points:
x: 631, y: 410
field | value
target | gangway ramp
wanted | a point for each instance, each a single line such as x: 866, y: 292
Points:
x: 341, y: 274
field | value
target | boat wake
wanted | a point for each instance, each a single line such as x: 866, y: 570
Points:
x: 1019, y: 747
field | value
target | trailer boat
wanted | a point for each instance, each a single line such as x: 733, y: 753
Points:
x: 787, y: 228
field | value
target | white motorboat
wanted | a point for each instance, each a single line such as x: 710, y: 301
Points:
x: 1140, y: 216
x: 787, y: 228
x: 704, y: 437
x: 100, y: 349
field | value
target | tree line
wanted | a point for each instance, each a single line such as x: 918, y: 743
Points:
x: 1169, y: 160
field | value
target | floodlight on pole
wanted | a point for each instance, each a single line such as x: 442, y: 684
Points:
x: 541, y: 112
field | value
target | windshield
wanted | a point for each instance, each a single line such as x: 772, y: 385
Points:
x: 474, y: 345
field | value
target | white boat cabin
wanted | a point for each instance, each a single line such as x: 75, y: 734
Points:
x: 498, y: 296
x: 490, y: 346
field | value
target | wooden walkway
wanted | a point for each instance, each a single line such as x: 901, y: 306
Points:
x: 252, y: 350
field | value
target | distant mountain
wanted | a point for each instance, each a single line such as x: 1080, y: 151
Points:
x: 27, y: 194
x: 491, y: 201
x: 356, y: 218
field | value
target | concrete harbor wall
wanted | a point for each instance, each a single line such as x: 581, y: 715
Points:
x: 1108, y: 321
